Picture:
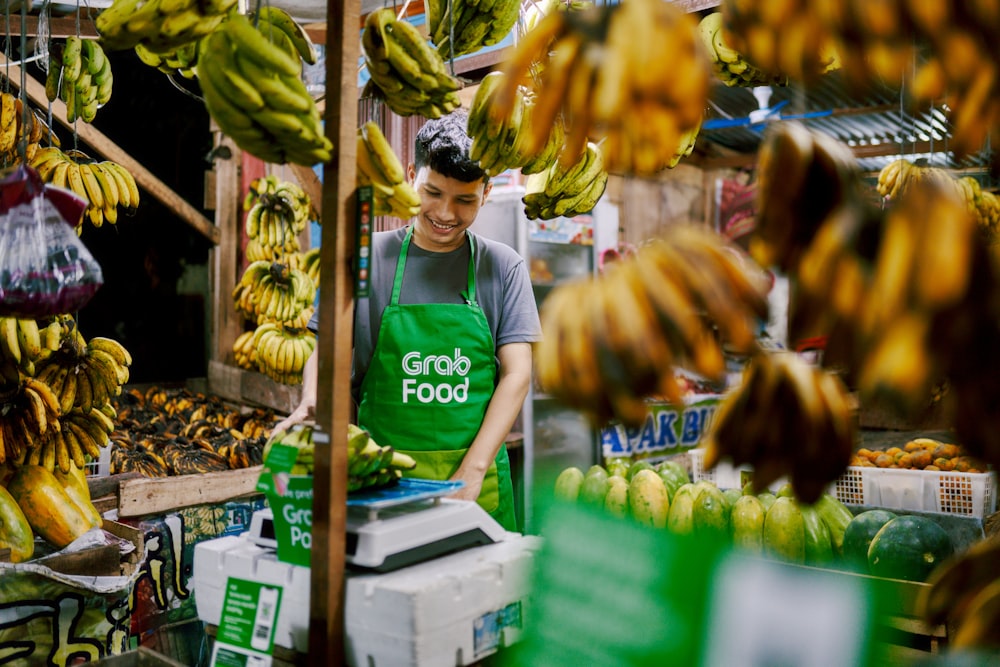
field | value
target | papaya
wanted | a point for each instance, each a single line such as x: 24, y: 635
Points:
x: 784, y: 531
x: 617, y: 467
x: 568, y: 484
x: 836, y: 516
x: 596, y: 470
x: 766, y: 499
x: 711, y: 513
x: 786, y: 491
x: 648, y: 500
x: 747, y: 521
x: 75, y: 484
x: 616, y: 499
x: 731, y: 496
x: 636, y: 467
x: 818, y: 545
x: 15, y: 532
x: 680, y: 518
x: 594, y: 488
x: 49, y: 510
x: 673, y: 474
x: 859, y: 535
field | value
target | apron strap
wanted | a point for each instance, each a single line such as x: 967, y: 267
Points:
x: 397, y: 281
x: 470, y: 293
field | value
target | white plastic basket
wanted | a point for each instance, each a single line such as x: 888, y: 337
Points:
x: 102, y: 466
x: 962, y: 493
x: 724, y: 475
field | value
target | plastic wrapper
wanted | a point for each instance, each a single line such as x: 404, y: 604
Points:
x: 45, y: 269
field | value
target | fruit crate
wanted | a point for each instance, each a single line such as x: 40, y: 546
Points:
x: 960, y: 493
x: 724, y: 475
x: 102, y: 466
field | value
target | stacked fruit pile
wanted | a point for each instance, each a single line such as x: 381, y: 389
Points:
x: 460, y: 27
x: 105, y: 185
x: 407, y: 72
x: 599, y: 72
x: 566, y: 190
x: 369, y: 465
x: 919, y: 454
x: 612, y: 341
x: 379, y: 167
x: 163, y: 432
x: 54, y: 506
x: 880, y: 41
x: 662, y: 496
x: 18, y: 129
x: 730, y: 66
x: 80, y: 76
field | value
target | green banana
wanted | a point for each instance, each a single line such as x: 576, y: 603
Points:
x: 405, y: 36
x: 218, y: 63
x: 282, y: 20
x: 71, y: 58
x: 253, y: 44
x: 52, y: 78
x: 276, y: 90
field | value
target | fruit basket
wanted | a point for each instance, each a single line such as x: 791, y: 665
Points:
x: 962, y: 493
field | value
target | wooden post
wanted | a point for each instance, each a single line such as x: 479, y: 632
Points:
x: 224, y: 260
x: 336, y: 323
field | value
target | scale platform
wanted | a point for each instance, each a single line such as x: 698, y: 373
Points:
x: 397, y: 526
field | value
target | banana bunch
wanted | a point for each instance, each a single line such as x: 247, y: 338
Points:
x: 311, y: 265
x: 813, y: 440
x: 639, y: 83
x: 81, y: 77
x: 611, y: 342
x: 29, y: 420
x: 408, y: 73
x: 182, y: 60
x: 370, y: 465
x: 499, y: 144
x: 23, y: 343
x: 281, y: 352
x: 984, y: 206
x: 160, y: 25
x: 729, y: 65
x: 536, y: 11
x: 460, y: 27
x: 106, y: 185
x: 85, y: 375
x: 965, y: 594
x: 16, y: 129
x: 299, y: 436
x: 379, y: 167
x: 251, y: 79
x: 81, y: 437
x: 276, y: 218
x: 561, y: 191
x: 244, y: 351
x: 273, y: 292
x: 262, y: 185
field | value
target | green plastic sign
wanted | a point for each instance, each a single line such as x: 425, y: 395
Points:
x: 290, y: 498
x: 245, y: 637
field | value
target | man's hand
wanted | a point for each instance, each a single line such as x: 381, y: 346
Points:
x: 303, y: 413
x: 473, y: 484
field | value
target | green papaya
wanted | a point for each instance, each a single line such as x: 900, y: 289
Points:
x: 818, y: 544
x: 732, y: 495
x: 617, y: 467
x: 766, y: 499
x: 568, y: 484
x: 673, y: 474
x: 616, y: 499
x: 636, y: 467
x: 596, y: 470
x: 747, y: 520
x: 680, y: 518
x: 594, y: 488
x: 711, y: 513
x: 648, y: 500
x: 785, y: 531
x: 786, y: 491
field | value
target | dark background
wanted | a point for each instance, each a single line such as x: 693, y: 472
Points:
x: 144, y: 256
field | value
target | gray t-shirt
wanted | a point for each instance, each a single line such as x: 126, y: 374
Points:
x: 503, y: 289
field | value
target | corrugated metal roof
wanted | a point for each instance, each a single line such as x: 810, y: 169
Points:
x: 870, y: 116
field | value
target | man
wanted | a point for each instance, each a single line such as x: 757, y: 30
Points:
x: 442, y: 347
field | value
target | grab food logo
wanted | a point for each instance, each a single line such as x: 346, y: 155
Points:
x: 436, y: 366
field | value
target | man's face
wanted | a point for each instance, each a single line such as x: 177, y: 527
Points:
x: 447, y: 208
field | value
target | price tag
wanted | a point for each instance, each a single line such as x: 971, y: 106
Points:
x: 363, y: 242
x: 764, y: 614
x: 245, y: 637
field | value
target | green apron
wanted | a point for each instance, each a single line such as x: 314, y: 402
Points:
x: 432, y: 374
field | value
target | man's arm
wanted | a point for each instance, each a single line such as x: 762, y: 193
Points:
x: 515, y: 377
x: 306, y: 409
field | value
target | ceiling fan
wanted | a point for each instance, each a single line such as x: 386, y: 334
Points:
x: 762, y: 114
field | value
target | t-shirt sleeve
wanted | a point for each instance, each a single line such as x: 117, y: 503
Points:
x: 518, y: 315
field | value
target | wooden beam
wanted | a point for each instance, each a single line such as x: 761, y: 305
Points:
x: 745, y: 160
x: 109, y: 150
x: 226, y: 323
x: 312, y: 186
x: 336, y: 326
x: 61, y: 26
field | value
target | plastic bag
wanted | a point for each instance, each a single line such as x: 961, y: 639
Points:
x: 45, y: 269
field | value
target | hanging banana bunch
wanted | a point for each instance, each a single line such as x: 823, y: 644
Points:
x: 561, y: 191
x: 460, y: 27
x: 80, y: 76
x: 379, y: 167
x: 272, y: 292
x: 183, y: 60
x: 281, y: 352
x: 16, y: 129
x: 730, y: 66
x: 280, y: 211
x: 410, y: 76
x: 160, y: 25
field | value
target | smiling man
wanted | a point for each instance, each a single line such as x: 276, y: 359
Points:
x: 442, y: 347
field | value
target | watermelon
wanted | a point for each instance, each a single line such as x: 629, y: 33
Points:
x: 909, y: 547
x: 859, y: 535
x: 636, y: 467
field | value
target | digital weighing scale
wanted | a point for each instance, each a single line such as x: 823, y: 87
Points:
x: 407, y: 523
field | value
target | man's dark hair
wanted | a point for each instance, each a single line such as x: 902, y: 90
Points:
x: 443, y: 145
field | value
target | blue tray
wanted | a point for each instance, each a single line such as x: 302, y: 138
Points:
x: 407, y: 490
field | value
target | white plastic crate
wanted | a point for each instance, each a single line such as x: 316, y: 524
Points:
x: 961, y: 493
x: 102, y: 466
x: 724, y: 475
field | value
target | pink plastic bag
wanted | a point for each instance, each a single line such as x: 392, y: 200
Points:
x: 45, y: 269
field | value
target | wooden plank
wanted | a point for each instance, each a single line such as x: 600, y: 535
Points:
x: 226, y: 323
x: 140, y: 497
x: 108, y: 486
x: 59, y: 26
x: 336, y: 323
x: 4, y: 555
x: 312, y: 186
x: 98, y: 561
x: 109, y: 150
